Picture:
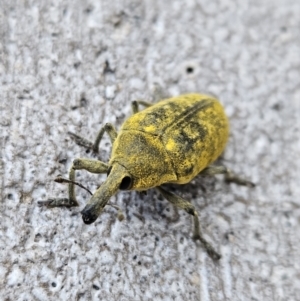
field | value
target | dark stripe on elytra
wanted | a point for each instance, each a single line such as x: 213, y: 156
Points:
x: 153, y: 116
x: 185, y: 142
x: 186, y: 127
x: 187, y: 114
x: 188, y: 170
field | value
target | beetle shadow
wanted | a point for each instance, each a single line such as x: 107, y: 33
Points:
x: 153, y: 206
x: 199, y: 188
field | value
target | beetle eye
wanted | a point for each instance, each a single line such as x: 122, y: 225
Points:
x: 126, y: 183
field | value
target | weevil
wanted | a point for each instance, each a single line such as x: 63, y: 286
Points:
x: 171, y: 141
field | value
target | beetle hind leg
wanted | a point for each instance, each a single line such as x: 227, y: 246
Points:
x: 190, y: 209
x: 230, y: 177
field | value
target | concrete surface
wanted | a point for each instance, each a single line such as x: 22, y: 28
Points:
x: 74, y: 65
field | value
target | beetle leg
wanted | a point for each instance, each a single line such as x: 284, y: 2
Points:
x: 135, y: 105
x: 159, y: 94
x: 63, y: 202
x: 232, y: 177
x: 111, y: 131
x: 93, y: 166
x: 229, y: 175
x: 108, y: 127
x: 190, y: 209
x: 90, y: 165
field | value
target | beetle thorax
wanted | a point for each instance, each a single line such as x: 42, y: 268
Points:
x: 144, y: 157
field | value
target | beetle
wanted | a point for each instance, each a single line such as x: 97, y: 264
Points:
x: 171, y: 141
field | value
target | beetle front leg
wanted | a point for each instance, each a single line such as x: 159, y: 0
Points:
x: 229, y: 175
x: 93, y: 166
x: 108, y: 127
x: 190, y: 209
x: 63, y: 202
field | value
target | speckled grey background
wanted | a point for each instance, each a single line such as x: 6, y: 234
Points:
x: 74, y: 65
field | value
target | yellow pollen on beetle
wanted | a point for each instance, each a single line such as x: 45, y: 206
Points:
x: 150, y: 128
x: 171, y: 144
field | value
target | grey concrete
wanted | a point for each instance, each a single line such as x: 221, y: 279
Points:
x: 54, y: 79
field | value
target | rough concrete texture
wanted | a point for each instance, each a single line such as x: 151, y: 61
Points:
x: 75, y: 65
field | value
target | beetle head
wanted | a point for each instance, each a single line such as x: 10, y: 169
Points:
x: 145, y: 159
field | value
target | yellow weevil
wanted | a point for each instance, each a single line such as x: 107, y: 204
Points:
x: 168, y: 142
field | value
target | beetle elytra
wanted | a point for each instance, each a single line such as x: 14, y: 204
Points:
x: 171, y: 141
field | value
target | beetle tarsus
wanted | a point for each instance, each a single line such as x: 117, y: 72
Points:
x: 230, y: 177
x: 209, y: 249
x: 58, y: 202
x: 81, y: 141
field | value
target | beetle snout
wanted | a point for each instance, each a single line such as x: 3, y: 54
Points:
x: 88, y: 214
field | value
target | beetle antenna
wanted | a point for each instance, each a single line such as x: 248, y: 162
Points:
x: 62, y: 180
